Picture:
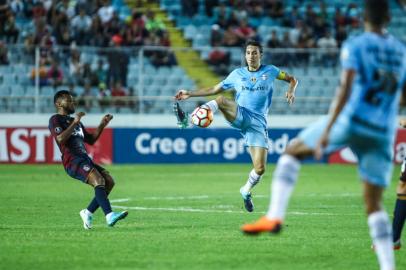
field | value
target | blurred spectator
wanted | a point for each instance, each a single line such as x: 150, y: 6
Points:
x: 216, y: 36
x: 230, y: 38
x: 104, y: 96
x: 106, y: 12
x: 162, y: 57
x: 341, y: 35
x: 101, y: 71
x: 75, y: 66
x: 17, y: 6
x: 41, y: 72
x: 219, y: 60
x: 329, y: 46
x: 3, y: 54
x: 274, y: 8
x: 55, y: 74
x: 320, y: 27
x: 353, y: 15
x: 88, y: 76
x: 290, y: 19
x: 117, y: 92
x: 245, y: 32
x: 274, y: 41
x: 81, y: 26
x: 189, y: 7
x: 152, y: 23
x: 10, y: 30
x: 85, y: 99
x: 209, y: 6
x: 134, y: 102
x: 97, y: 36
x: 256, y: 8
x: 118, y: 62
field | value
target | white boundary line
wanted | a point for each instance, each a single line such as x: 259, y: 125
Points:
x: 197, y: 210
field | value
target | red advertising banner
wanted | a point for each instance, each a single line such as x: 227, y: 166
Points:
x: 36, y: 145
x: 346, y: 156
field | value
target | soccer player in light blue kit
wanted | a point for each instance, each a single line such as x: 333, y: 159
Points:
x: 362, y: 117
x: 248, y: 113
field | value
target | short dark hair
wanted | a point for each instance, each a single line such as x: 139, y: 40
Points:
x: 377, y: 12
x: 252, y: 42
x: 60, y: 94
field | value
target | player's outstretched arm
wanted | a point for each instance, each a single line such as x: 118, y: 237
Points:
x: 293, y: 82
x: 64, y: 136
x: 347, y: 77
x: 185, y: 94
x: 96, y: 134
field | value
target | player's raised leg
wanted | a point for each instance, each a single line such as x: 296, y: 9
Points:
x: 283, y: 182
x: 98, y: 182
x: 258, y: 157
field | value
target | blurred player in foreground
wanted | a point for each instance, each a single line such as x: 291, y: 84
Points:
x: 399, y: 215
x: 70, y: 135
x: 248, y: 113
x: 363, y: 118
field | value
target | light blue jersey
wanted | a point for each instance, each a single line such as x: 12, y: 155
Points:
x: 253, y: 88
x: 379, y: 62
x: 367, y: 123
x: 253, y: 97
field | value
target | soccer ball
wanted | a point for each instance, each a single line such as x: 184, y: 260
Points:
x: 202, y: 116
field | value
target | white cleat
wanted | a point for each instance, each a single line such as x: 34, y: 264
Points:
x: 87, y: 219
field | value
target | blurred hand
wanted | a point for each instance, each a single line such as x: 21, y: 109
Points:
x: 78, y: 116
x: 106, y: 119
x: 182, y: 95
x: 402, y: 122
x: 290, y: 97
x: 321, y: 145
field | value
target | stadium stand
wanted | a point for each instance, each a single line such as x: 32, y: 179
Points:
x: 94, y: 44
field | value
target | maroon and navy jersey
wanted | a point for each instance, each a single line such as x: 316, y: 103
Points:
x: 74, y: 147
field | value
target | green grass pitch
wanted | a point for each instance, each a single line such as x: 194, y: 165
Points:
x: 184, y: 217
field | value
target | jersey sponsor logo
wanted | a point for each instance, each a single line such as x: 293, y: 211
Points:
x: 78, y: 132
x: 86, y: 168
x: 258, y: 88
x: 58, y: 130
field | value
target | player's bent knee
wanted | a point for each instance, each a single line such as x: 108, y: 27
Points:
x: 298, y: 149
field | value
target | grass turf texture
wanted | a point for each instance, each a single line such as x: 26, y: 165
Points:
x: 326, y: 227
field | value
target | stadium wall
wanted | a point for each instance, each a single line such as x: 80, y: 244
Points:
x: 154, y: 139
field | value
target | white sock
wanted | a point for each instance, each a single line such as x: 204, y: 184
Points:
x: 253, y: 179
x: 87, y: 212
x: 212, y: 104
x: 108, y: 216
x: 283, y: 183
x: 381, y: 233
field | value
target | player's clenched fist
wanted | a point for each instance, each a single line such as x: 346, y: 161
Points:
x: 78, y: 116
x: 106, y: 119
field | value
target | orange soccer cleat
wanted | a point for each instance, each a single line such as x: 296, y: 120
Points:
x: 263, y: 225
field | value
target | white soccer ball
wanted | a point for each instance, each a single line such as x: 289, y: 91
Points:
x: 202, y: 116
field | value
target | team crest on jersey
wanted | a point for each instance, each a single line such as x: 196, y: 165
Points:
x: 253, y: 79
x: 58, y: 130
x: 264, y: 77
x: 86, y: 168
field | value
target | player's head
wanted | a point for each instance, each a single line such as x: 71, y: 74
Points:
x: 376, y: 12
x: 64, y: 102
x: 253, y: 53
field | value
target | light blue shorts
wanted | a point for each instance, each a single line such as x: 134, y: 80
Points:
x: 374, y: 153
x: 252, y: 128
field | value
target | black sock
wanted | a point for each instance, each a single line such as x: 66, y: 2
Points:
x: 101, y: 197
x: 399, y: 217
x: 94, y: 205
